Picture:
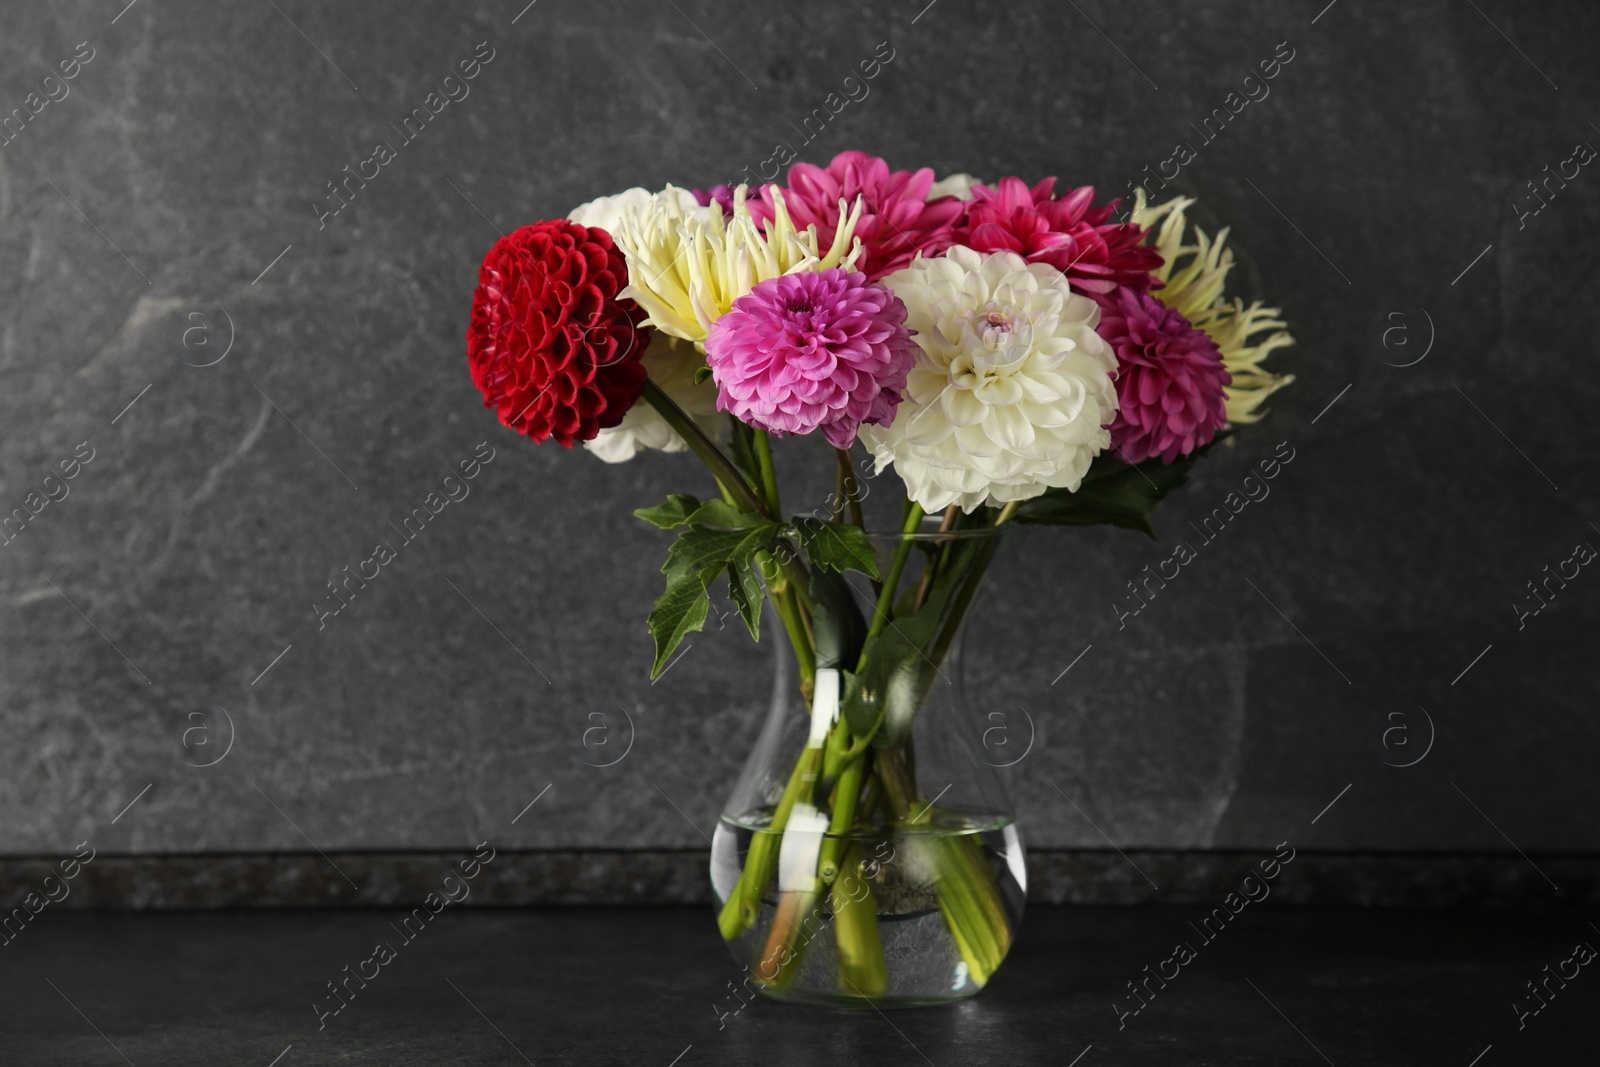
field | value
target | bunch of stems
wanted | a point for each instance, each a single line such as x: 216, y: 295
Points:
x: 865, y: 785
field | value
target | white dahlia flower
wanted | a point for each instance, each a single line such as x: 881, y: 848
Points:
x: 671, y: 364
x: 1011, y: 393
x: 606, y: 212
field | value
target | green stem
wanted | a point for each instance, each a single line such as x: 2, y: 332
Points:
x: 969, y: 898
x: 799, y: 580
x: 851, y: 485
x: 863, y: 972
x: 721, y: 466
x: 844, y: 813
x: 897, y: 566
x: 794, y: 583
x: 836, y: 505
x: 788, y: 586
x: 861, y: 955
x: 743, y: 905
x: 899, y: 787
x: 961, y: 899
x: 795, y: 625
x: 859, y: 745
x: 769, y: 478
x: 832, y: 764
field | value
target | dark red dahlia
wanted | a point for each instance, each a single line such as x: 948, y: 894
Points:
x: 553, y: 348
x: 1170, y: 378
x: 1067, y: 232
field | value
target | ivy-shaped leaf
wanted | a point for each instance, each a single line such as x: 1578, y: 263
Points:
x: 700, y: 547
x: 744, y: 589
x: 723, y: 514
x: 696, y: 558
x: 674, y: 511
x: 836, y: 546
x: 678, y: 612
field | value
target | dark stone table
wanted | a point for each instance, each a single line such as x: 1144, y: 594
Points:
x: 647, y: 986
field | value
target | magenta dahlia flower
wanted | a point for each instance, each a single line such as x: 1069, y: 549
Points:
x: 1067, y: 232
x: 812, y: 350
x: 721, y: 195
x: 1170, y: 379
x: 897, y: 218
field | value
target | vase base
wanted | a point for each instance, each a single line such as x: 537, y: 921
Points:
x: 913, y: 917
x: 848, y: 1002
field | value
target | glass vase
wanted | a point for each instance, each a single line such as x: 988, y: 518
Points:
x: 881, y: 868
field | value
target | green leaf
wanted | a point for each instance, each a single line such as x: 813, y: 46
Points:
x: 701, y: 373
x: 836, y: 546
x: 701, y: 547
x: 744, y: 589
x: 674, y: 511
x: 693, y: 562
x: 721, y: 513
x: 678, y: 612
x: 836, y: 621
x: 1113, y: 493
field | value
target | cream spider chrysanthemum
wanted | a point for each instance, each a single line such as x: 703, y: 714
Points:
x: 1194, y: 275
x: 1011, y: 392
x: 686, y: 268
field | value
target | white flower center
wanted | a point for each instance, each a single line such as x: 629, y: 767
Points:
x: 996, y: 340
x: 996, y: 320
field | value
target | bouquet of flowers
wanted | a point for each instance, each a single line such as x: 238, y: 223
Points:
x: 1014, y: 354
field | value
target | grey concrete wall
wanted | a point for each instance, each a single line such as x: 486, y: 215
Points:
x: 172, y: 189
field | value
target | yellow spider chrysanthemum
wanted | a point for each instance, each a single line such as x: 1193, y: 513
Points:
x: 1194, y: 275
x: 687, y: 267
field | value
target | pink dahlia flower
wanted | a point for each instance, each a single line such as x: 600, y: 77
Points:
x: 1170, y: 379
x: 1066, y: 232
x: 897, y: 219
x: 812, y: 350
